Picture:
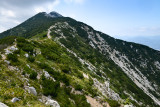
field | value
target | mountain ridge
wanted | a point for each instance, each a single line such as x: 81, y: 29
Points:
x: 121, y: 72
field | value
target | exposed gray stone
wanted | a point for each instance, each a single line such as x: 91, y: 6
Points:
x: 14, y: 99
x: 3, y: 105
x: 32, y: 90
x: 52, y: 103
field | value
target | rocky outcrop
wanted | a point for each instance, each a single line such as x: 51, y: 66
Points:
x: 48, y: 101
x: 105, y: 90
x: 31, y: 90
x: 3, y: 105
x: 85, y: 76
x: 94, y: 103
x: 14, y: 99
x: 47, y: 75
x: 10, y: 49
x: 52, y: 103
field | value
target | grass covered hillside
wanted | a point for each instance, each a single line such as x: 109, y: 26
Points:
x: 53, y: 71
x: 60, y: 62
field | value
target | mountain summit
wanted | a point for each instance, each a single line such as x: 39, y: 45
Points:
x: 75, y: 65
x: 53, y: 14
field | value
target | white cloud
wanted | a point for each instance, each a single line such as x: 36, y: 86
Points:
x: 74, y: 1
x: 2, y: 28
x: 13, y: 12
x: 7, y: 13
x: 46, y: 7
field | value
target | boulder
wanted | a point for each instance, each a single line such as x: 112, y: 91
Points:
x: 3, y: 105
x: 46, y: 74
x: 32, y: 90
x: 26, y: 55
x: 49, y: 102
x: 14, y: 99
x: 8, y: 62
x: 85, y: 76
x: 52, y: 103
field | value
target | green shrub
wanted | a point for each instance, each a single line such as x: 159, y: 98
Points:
x: 28, y: 48
x: 65, y: 79
x: 80, y: 100
x: 25, y: 45
x: 17, y: 51
x: 50, y: 70
x: 80, y: 75
x: 31, y: 59
x: 65, y: 69
x: 0, y: 57
x: 113, y: 103
x: 27, y: 70
x: 49, y: 54
x: 12, y: 57
x: 21, y: 40
x: 50, y: 87
x: 92, y: 91
x: 78, y: 87
x: 68, y: 90
x: 33, y: 75
x: 99, y: 73
x: 6, y: 41
x: 43, y: 65
x: 23, y: 73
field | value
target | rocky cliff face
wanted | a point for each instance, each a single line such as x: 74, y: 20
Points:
x: 64, y: 62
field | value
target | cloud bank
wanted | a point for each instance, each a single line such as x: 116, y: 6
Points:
x: 13, y: 12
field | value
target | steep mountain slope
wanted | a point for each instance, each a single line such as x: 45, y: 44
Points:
x: 34, y: 25
x: 72, y: 62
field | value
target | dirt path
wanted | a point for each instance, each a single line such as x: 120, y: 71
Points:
x: 49, y: 32
x: 95, y: 103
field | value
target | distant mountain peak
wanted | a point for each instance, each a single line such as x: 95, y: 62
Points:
x: 53, y: 14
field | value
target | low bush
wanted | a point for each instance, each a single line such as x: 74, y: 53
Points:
x: 113, y: 103
x: 50, y: 87
x: 49, y: 54
x: 68, y: 90
x: 65, y: 69
x: 31, y: 59
x: 25, y: 45
x: 80, y: 100
x: 33, y: 75
x: 0, y: 57
x: 65, y: 79
x: 78, y: 87
x: 6, y: 41
x: 43, y: 65
x: 80, y: 75
x: 12, y: 57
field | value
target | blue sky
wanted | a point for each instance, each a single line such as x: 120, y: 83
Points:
x: 113, y: 17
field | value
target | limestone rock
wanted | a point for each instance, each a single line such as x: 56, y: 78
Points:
x: 26, y: 55
x: 85, y: 76
x: 14, y: 99
x: 32, y: 90
x: 46, y: 74
x: 48, y: 101
x: 3, y: 105
x: 52, y: 103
